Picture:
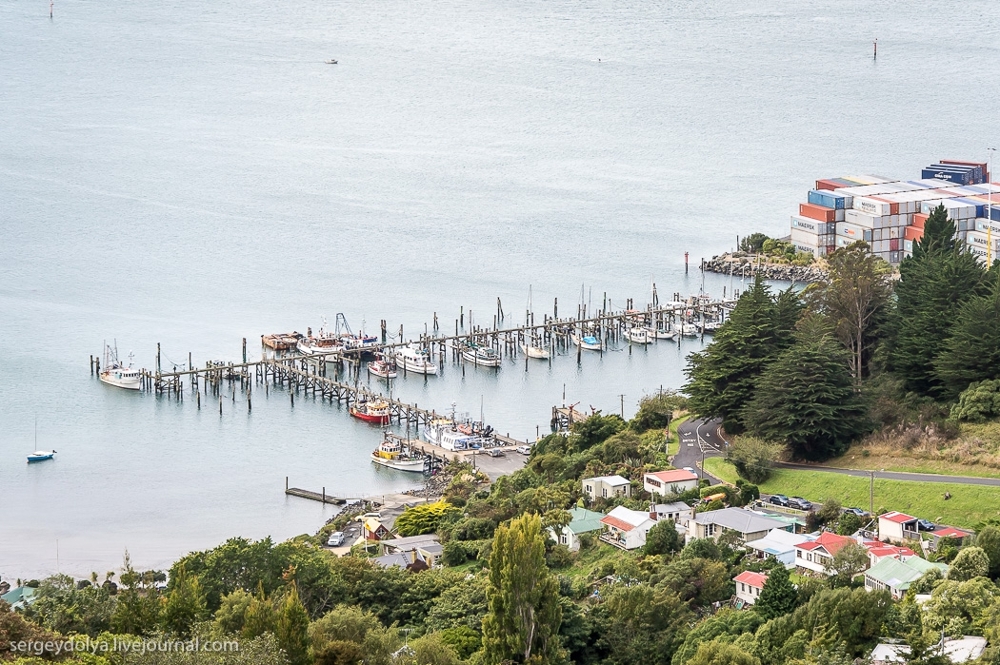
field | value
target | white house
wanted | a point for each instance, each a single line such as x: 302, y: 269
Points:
x: 897, y: 527
x: 667, y: 483
x: 895, y: 576
x: 606, y: 487
x: 749, y: 585
x: 746, y: 523
x: 780, y: 545
x: 582, y: 521
x: 626, y: 529
x: 678, y: 511
x: 817, y: 555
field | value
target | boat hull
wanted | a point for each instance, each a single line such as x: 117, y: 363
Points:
x: 382, y: 371
x: 416, y: 367
x: 413, y: 466
x: 534, y: 352
x: 378, y: 419
x: 40, y: 456
x: 590, y: 346
x: 470, y: 356
x: 113, y: 379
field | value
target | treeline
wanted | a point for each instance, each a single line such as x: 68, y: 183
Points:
x: 816, y: 369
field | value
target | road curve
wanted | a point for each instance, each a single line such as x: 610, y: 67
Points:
x: 894, y: 475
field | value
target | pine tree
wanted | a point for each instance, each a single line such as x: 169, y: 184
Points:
x: 185, y: 604
x: 778, y: 597
x: 524, y: 613
x: 722, y: 378
x: 292, y: 628
x: 806, y: 398
x: 972, y: 353
x: 933, y: 284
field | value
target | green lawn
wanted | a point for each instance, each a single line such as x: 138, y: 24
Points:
x: 674, y: 445
x: 969, y: 504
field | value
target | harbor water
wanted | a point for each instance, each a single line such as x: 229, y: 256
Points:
x: 193, y: 174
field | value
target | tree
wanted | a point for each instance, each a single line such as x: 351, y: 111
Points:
x: 663, y: 538
x: 231, y: 615
x: 855, y: 299
x: 753, y: 243
x: 972, y: 352
x: 260, y: 616
x: 425, y: 518
x: 431, y: 649
x: 960, y: 608
x: 849, y: 560
x: 724, y: 626
x: 971, y: 562
x: 722, y: 653
x: 988, y: 540
x: 722, y: 378
x: 753, y: 457
x: 61, y: 606
x: 848, y: 524
x: 979, y: 402
x: 698, y: 581
x: 642, y: 625
x: 656, y: 411
x: 933, y: 284
x: 806, y: 397
x: 524, y: 613
x: 185, y: 604
x: 137, y: 611
x: 778, y: 597
x: 292, y: 628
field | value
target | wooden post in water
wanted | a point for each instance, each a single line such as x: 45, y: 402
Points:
x: 244, y: 350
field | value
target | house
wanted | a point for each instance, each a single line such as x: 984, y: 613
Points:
x: 896, y: 576
x: 406, y: 560
x: 749, y: 585
x: 667, y: 483
x: 606, y: 487
x: 678, y: 511
x: 957, y: 650
x: 626, y: 529
x: 817, y: 555
x: 375, y: 530
x: 581, y: 521
x: 897, y: 527
x: 948, y: 532
x: 20, y: 597
x: 426, y: 548
x: 747, y: 524
x: 778, y: 544
x: 878, y: 551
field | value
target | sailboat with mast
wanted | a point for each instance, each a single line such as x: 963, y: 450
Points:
x: 531, y: 346
x: 40, y: 455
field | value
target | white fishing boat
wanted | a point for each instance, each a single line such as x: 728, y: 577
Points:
x: 393, y: 454
x: 382, y: 368
x: 447, y: 434
x: 588, y: 342
x: 481, y: 355
x: 689, y: 330
x: 41, y: 455
x: 116, y: 373
x: 532, y: 350
x: 709, y: 327
x: 638, y: 335
x: 415, y: 359
x: 663, y: 333
x: 323, y: 342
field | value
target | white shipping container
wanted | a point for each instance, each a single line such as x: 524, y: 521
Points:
x: 838, y: 214
x: 855, y: 233
x: 859, y: 218
x: 813, y: 226
x: 894, y: 232
x: 985, y: 225
x: 871, y: 206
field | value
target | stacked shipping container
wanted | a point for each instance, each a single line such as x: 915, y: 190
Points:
x: 890, y: 214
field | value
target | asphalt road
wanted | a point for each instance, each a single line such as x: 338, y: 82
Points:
x: 895, y: 475
x: 700, y: 439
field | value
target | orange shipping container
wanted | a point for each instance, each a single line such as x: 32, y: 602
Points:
x: 827, y: 184
x: 918, y: 221
x: 913, y: 233
x: 819, y: 213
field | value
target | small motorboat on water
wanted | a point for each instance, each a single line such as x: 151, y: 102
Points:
x: 41, y: 456
x: 638, y: 335
x: 383, y: 369
x: 588, y: 342
x: 116, y: 373
x: 393, y: 454
x: 372, y: 411
x: 663, y: 333
x: 532, y: 350
x: 415, y: 359
x: 331, y: 61
x: 481, y: 355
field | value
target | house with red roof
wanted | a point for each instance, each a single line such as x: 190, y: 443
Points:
x: 948, y: 532
x: 625, y: 528
x: 897, y: 527
x: 817, y: 555
x: 749, y: 585
x: 878, y: 550
x: 667, y: 483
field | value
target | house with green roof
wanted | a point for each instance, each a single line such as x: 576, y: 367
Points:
x: 20, y: 597
x: 582, y: 521
x: 895, y: 576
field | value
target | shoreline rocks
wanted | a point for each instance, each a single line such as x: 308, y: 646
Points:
x: 746, y: 264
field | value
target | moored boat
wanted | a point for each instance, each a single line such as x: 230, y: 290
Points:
x: 41, y: 455
x: 372, y: 411
x: 415, y: 359
x: 638, y: 335
x: 446, y: 433
x: 533, y: 351
x: 393, y: 454
x: 481, y: 355
x: 664, y: 333
x: 280, y: 341
x: 588, y: 342
x: 383, y: 369
x: 115, y: 373
x: 689, y: 330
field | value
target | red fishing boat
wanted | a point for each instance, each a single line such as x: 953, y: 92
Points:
x: 375, y: 411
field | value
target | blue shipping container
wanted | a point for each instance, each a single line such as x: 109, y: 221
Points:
x: 980, y: 207
x: 957, y: 177
x: 827, y: 199
x: 995, y: 213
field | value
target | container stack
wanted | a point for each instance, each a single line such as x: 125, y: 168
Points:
x: 890, y: 214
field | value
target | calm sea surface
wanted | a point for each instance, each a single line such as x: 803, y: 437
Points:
x: 192, y: 173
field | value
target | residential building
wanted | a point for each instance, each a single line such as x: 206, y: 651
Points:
x: 749, y: 585
x: 747, y: 524
x: 626, y: 529
x: 19, y: 597
x: 957, y: 650
x: 671, y: 482
x: 897, y: 527
x: 375, y: 530
x: 425, y: 548
x: 896, y: 576
x: 878, y: 551
x: 678, y: 511
x: 948, y: 532
x: 815, y: 556
x: 606, y: 487
x: 778, y: 544
x: 581, y: 521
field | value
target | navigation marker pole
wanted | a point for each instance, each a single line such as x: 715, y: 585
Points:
x: 875, y: 54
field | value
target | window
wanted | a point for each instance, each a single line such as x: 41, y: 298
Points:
x: 654, y: 482
x: 563, y: 539
x: 798, y: 554
x: 743, y: 587
x: 605, y: 492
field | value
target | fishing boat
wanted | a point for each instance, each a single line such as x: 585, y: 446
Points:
x: 372, y: 411
x: 393, y: 454
x: 588, y: 342
x: 663, y: 333
x: 709, y: 327
x: 415, y: 359
x: 324, y: 342
x: 532, y: 350
x: 446, y: 433
x: 41, y: 455
x: 638, y: 335
x: 116, y: 373
x: 689, y: 330
x: 382, y: 368
x: 481, y: 355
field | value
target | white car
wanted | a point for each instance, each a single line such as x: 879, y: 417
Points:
x: 524, y: 450
x: 336, y: 539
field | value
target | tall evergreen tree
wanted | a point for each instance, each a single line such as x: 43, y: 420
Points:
x: 933, y: 284
x: 722, y: 378
x: 806, y: 398
x: 185, y: 605
x: 779, y: 596
x: 524, y: 613
x: 292, y: 628
x: 972, y: 353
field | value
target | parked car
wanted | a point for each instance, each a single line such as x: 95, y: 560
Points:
x: 495, y: 452
x: 857, y: 511
x: 690, y: 470
x: 925, y: 525
x: 524, y: 450
x: 336, y: 539
x: 779, y: 500
x: 800, y: 503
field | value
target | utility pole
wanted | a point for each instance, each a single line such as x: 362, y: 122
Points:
x: 623, y: 405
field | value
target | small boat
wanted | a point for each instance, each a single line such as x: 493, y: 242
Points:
x: 638, y: 335
x: 689, y: 330
x: 664, y: 333
x: 588, y: 342
x: 41, y: 455
x: 709, y: 327
x: 116, y: 373
x: 446, y: 433
x: 323, y: 342
x: 393, y: 454
x: 374, y: 411
x: 280, y: 341
x: 481, y: 355
x: 383, y: 369
x: 331, y: 61
x: 415, y: 359
x: 533, y: 351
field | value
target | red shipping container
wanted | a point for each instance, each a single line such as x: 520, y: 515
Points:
x: 894, y: 245
x: 893, y: 207
x: 827, y: 184
x: 819, y: 213
x: 913, y: 233
x: 919, y: 219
